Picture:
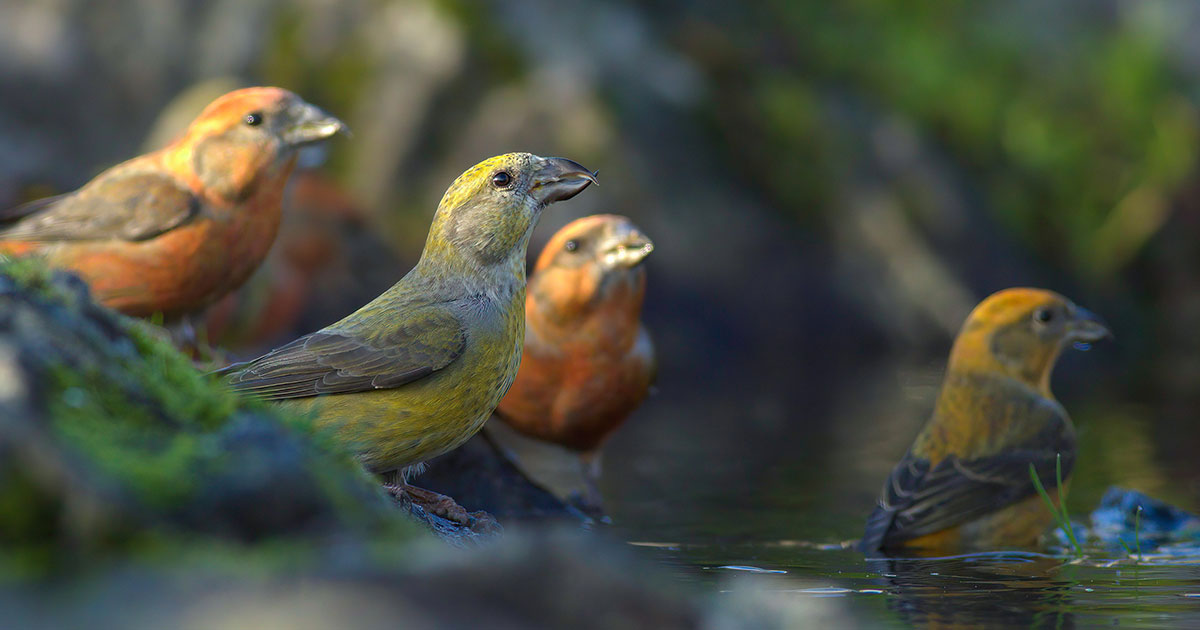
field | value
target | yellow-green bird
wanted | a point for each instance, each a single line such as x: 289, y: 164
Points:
x: 416, y: 372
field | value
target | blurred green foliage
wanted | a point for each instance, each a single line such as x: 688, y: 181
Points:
x: 1075, y: 128
x: 493, y: 54
x: 338, y: 78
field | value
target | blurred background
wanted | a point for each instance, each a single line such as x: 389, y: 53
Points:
x: 831, y: 187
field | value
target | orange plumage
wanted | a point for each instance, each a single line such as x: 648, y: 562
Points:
x: 588, y: 361
x: 327, y: 260
x: 965, y: 481
x: 173, y: 230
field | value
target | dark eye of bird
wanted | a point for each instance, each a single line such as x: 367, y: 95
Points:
x: 502, y: 179
x: 254, y: 119
x: 572, y: 245
x: 1043, y: 315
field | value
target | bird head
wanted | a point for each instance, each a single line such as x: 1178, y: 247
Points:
x: 592, y: 263
x: 488, y: 213
x: 604, y: 243
x: 246, y: 132
x: 1021, y: 332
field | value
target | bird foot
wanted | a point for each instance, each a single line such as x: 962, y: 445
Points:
x: 445, y: 507
x: 589, y: 505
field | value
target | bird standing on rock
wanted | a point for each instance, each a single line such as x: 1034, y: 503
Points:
x: 417, y: 371
x: 588, y: 360
x: 172, y: 231
x: 965, y: 481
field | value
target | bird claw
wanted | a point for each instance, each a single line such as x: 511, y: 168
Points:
x: 444, y: 507
x: 589, y: 505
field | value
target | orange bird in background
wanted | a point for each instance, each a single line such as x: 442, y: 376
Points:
x: 588, y: 361
x: 172, y: 231
x: 965, y: 481
x: 328, y: 260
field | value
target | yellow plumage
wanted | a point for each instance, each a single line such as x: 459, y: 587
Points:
x: 417, y: 371
x: 965, y: 481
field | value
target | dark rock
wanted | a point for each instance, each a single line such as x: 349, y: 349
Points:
x: 261, y: 485
x: 1117, y: 517
x: 478, y: 527
x: 111, y: 439
x: 481, y: 476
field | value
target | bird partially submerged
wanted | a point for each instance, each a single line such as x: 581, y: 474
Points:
x: 965, y: 481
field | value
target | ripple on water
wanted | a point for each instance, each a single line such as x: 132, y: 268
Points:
x: 748, y: 569
x: 1017, y: 588
x: 824, y: 591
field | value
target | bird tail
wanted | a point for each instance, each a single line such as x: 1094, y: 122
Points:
x: 228, y: 369
x: 878, y: 525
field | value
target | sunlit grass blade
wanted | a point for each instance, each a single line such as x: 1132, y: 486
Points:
x: 1060, y: 512
x: 1137, y: 532
x: 1062, y: 492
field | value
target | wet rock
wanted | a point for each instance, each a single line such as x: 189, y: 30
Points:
x: 481, y: 476
x: 1118, y: 518
x: 112, y: 443
x: 478, y: 527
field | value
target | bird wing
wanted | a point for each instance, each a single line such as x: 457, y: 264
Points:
x: 919, y: 499
x: 392, y: 349
x: 128, y: 205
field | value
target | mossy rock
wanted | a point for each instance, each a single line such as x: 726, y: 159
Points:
x: 112, y: 443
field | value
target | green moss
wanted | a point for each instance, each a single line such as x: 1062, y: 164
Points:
x: 31, y: 274
x: 185, y: 391
x: 24, y: 508
x: 167, y: 461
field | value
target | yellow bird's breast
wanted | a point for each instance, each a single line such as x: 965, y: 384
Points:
x: 392, y: 429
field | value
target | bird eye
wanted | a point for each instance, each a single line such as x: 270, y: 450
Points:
x: 502, y: 179
x: 1043, y: 315
x: 572, y: 245
x: 254, y: 119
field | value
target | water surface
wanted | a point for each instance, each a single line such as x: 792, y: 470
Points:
x: 773, y: 493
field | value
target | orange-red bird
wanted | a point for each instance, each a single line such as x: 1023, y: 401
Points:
x: 588, y: 361
x: 327, y: 261
x: 171, y: 231
x: 965, y: 481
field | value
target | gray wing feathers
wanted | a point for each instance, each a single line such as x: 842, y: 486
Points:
x: 338, y: 361
x: 131, y: 207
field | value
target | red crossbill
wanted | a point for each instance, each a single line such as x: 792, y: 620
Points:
x: 588, y: 360
x: 416, y: 372
x: 965, y: 482
x: 173, y: 230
